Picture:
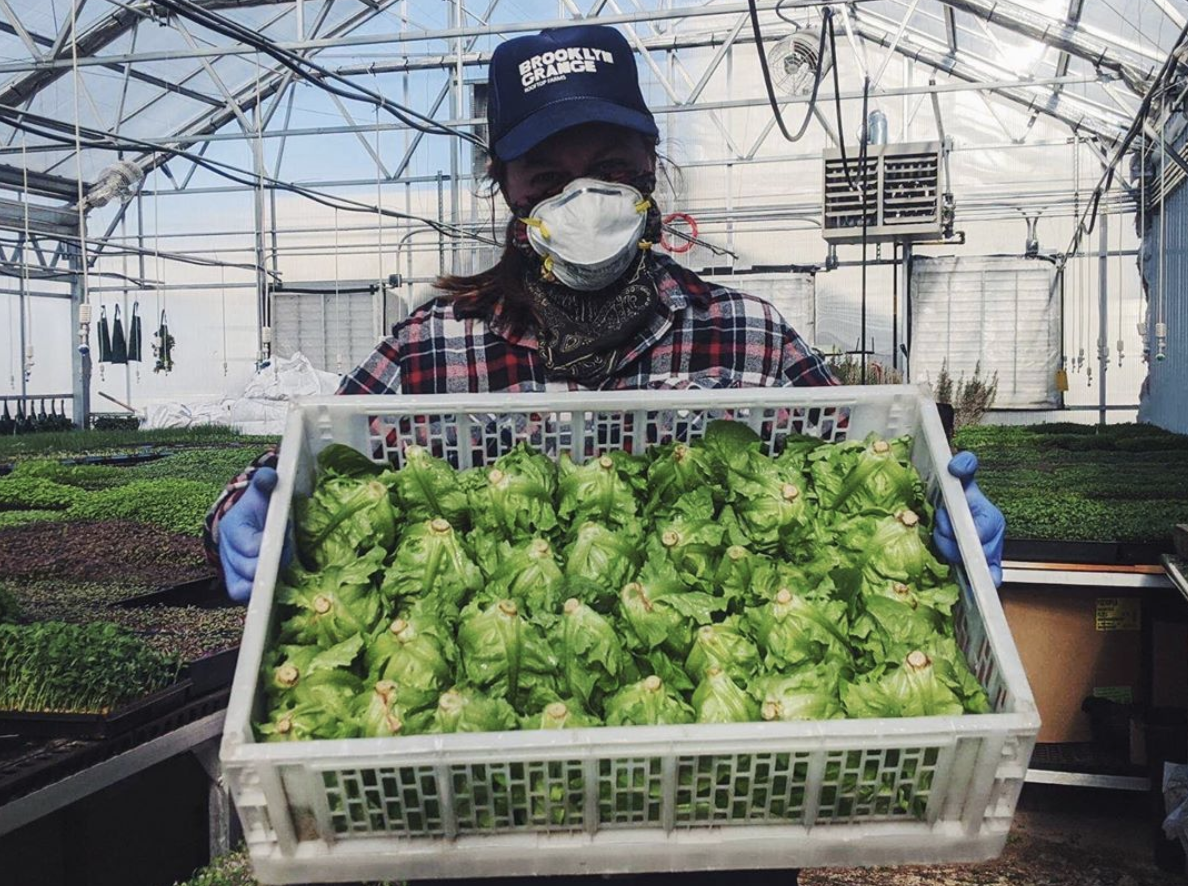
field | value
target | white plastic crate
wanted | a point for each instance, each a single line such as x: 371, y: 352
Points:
x: 636, y: 799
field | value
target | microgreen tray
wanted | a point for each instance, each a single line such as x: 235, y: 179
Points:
x: 42, y: 724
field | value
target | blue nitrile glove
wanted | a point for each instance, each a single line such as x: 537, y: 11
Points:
x: 988, y: 519
x: 241, y: 532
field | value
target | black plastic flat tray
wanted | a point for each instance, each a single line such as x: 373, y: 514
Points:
x: 213, y: 671
x: 205, y: 593
x: 27, y: 764
x: 117, y: 722
x: 210, y: 672
x: 1089, y: 553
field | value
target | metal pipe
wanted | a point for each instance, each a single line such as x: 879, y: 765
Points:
x: 80, y: 359
x: 389, y: 38
x: 21, y: 308
x: 1059, y: 35
x: 1103, y: 311
x: 966, y: 84
x: 260, y: 250
x: 1059, y: 106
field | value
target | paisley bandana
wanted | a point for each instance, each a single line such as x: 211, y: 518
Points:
x: 581, y: 334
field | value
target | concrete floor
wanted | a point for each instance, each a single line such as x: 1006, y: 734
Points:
x: 1062, y: 837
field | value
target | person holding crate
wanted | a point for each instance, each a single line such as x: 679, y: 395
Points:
x: 578, y: 299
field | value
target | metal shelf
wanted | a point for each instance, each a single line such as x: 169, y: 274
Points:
x: 1014, y: 572
x: 30, y: 807
x: 1177, y: 573
x: 1088, y: 780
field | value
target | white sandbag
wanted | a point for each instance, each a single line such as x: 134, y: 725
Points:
x: 288, y: 377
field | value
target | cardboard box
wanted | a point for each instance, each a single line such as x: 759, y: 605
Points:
x: 1075, y: 642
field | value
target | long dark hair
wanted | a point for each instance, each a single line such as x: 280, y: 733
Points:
x: 477, y: 294
x: 503, y: 282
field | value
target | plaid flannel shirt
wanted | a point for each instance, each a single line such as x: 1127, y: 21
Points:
x: 702, y: 336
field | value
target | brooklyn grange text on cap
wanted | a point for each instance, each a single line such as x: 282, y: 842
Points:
x: 543, y: 83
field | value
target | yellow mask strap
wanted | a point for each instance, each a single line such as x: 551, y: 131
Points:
x: 538, y: 224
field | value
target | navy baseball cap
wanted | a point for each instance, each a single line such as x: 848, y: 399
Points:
x: 543, y: 83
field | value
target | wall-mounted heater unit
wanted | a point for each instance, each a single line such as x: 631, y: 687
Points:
x: 905, y: 199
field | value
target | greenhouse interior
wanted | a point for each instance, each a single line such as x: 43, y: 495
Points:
x: 884, y: 580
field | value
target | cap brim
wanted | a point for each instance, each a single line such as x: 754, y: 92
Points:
x: 552, y: 118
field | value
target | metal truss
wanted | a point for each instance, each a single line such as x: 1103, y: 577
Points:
x: 241, y: 104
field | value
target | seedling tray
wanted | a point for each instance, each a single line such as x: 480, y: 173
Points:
x: 95, y: 726
x: 210, y: 672
x: 206, y: 593
x: 1085, y: 553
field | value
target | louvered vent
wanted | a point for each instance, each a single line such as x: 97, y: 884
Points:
x: 843, y: 193
x: 903, y: 197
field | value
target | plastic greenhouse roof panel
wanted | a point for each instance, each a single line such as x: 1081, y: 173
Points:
x: 154, y: 107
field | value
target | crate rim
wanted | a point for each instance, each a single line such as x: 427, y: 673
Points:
x: 615, y: 742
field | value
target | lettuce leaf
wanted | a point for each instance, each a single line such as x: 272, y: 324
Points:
x: 604, y: 489
x: 718, y: 699
x: 933, y: 680
x: 769, y: 503
x: 332, y: 605
x: 465, y: 709
x: 807, y: 693
x: 429, y: 488
x: 603, y: 556
x: 793, y: 630
x: 389, y: 709
x: 647, y: 703
x: 677, y: 469
x: 346, y: 514
x: 560, y: 715
x: 872, y: 475
x: 529, y: 574
x: 414, y: 650
x: 432, y: 562
x: 514, y: 498
x: 592, y: 661
x: 891, y: 547
x: 659, y: 610
x: 505, y: 653
x: 722, y: 646
x: 690, y: 539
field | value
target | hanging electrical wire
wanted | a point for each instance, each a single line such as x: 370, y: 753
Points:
x: 223, y: 305
x: 1160, y: 305
x: 827, y: 15
x: 1155, y: 91
x: 48, y: 128
x: 337, y: 312
x: 302, y: 66
x: 26, y: 307
x: 1121, y: 274
x: 379, y: 216
x: 1144, y: 290
x: 85, y: 293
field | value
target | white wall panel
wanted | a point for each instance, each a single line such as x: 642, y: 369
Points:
x: 1000, y: 311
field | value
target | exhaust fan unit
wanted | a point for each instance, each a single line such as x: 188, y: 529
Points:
x: 904, y: 195
x: 794, y: 61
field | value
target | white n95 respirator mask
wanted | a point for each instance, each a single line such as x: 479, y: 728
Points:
x: 589, y: 234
